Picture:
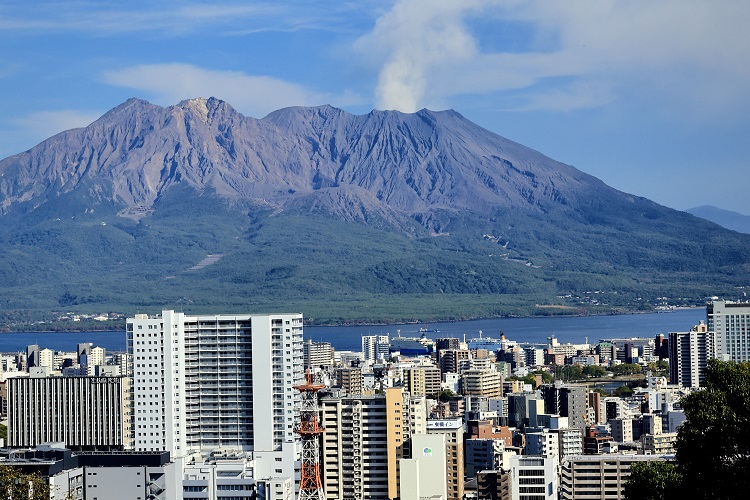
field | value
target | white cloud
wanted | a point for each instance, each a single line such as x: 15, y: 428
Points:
x: 167, y: 18
x: 687, y: 52
x: 255, y: 96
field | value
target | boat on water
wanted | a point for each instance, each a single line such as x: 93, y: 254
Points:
x: 412, y: 346
x: 489, y: 343
x: 427, y: 329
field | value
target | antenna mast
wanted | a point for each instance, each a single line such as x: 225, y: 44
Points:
x: 309, y: 429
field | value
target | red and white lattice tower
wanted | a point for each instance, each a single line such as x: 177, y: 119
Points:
x: 309, y: 429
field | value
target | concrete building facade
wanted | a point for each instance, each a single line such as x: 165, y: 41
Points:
x: 85, y: 413
x: 731, y: 323
x: 689, y: 353
x: 482, y: 383
x: 417, y: 474
x: 365, y: 438
x: 205, y: 383
x: 317, y: 355
x: 454, y: 443
x: 605, y: 475
x: 533, y: 478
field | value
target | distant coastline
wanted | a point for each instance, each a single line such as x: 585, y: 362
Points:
x: 109, y: 326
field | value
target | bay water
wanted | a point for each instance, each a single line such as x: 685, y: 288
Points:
x: 573, y: 329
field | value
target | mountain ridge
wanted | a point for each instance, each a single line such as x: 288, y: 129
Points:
x: 725, y: 218
x: 352, y: 217
x: 418, y: 164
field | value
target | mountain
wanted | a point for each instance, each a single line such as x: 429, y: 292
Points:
x: 383, y: 216
x: 725, y: 218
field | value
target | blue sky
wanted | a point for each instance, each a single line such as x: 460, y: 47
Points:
x: 652, y: 97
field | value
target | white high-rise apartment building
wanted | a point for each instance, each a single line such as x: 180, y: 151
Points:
x: 217, y: 382
x: 689, y: 353
x: 47, y: 358
x: 375, y: 347
x: 731, y: 323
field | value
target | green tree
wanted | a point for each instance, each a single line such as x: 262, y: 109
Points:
x: 15, y: 485
x: 3, y: 432
x: 653, y: 480
x: 571, y: 372
x: 594, y: 371
x: 531, y: 378
x: 546, y: 376
x: 658, y: 368
x: 626, y: 369
x: 623, y: 391
x: 713, y: 444
x: 445, y: 395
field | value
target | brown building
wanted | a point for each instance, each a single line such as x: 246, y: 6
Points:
x: 350, y: 381
x: 483, y: 429
x: 595, y: 406
x: 593, y: 442
x: 422, y: 380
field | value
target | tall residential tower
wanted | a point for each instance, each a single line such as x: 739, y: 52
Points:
x: 218, y: 382
x: 731, y: 323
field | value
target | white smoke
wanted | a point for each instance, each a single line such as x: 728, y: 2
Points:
x: 414, y: 38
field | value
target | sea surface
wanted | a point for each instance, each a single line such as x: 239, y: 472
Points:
x: 575, y: 330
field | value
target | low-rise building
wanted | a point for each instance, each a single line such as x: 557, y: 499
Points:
x: 659, y: 444
x: 605, y: 475
x: 533, y: 478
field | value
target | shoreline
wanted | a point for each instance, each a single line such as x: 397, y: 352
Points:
x: 317, y: 324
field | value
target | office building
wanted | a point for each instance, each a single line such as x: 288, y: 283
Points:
x: 570, y: 442
x: 493, y: 484
x: 689, y: 353
x: 32, y: 356
x: 85, y: 413
x: 443, y: 344
x: 350, y: 381
x: 414, y: 381
x: 217, y: 382
x: 432, y: 380
x: 450, y: 358
x: 534, y: 356
x: 226, y: 476
x: 622, y: 430
x: 543, y: 443
x: 659, y: 444
x: 593, y: 442
x: 566, y: 401
x: 483, y: 454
